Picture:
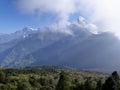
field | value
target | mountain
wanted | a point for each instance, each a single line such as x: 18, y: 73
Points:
x: 4, y: 38
x: 75, y: 47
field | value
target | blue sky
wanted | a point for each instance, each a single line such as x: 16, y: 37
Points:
x: 11, y: 19
x: 17, y: 14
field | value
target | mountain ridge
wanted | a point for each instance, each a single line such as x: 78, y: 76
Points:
x: 75, y: 47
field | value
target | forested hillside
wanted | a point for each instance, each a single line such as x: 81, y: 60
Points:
x: 56, y: 78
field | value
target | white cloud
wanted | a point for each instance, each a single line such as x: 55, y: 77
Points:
x: 83, y: 23
x: 104, y: 13
x: 63, y: 8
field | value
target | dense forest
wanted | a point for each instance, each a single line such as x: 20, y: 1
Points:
x: 56, y: 78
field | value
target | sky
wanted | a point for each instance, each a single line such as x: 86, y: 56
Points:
x: 17, y: 14
x: 11, y: 19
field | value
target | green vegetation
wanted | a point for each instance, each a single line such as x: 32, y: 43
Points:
x: 56, y: 78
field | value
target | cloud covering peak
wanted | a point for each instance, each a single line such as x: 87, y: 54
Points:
x: 103, y: 13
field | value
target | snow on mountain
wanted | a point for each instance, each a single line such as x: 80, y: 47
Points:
x: 77, y: 45
x: 77, y: 28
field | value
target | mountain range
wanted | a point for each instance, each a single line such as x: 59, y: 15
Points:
x: 76, y: 47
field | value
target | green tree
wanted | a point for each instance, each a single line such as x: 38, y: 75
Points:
x: 23, y: 86
x: 10, y: 87
x: 89, y: 84
x: 2, y: 77
x: 99, y: 85
x: 34, y: 82
x: 63, y: 83
x: 43, y: 81
x: 46, y: 88
x: 113, y: 82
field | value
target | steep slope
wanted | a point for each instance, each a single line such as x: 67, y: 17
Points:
x: 75, y: 46
x: 97, y: 52
x: 22, y: 53
x: 100, y: 52
x: 13, y: 56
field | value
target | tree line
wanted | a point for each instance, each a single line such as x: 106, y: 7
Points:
x: 11, y: 79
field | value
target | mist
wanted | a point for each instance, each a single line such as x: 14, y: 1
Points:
x: 104, y: 14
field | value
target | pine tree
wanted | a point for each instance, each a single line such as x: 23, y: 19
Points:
x: 23, y: 86
x: 63, y: 83
x: 89, y: 85
x: 112, y: 83
x: 2, y: 76
x: 99, y: 85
